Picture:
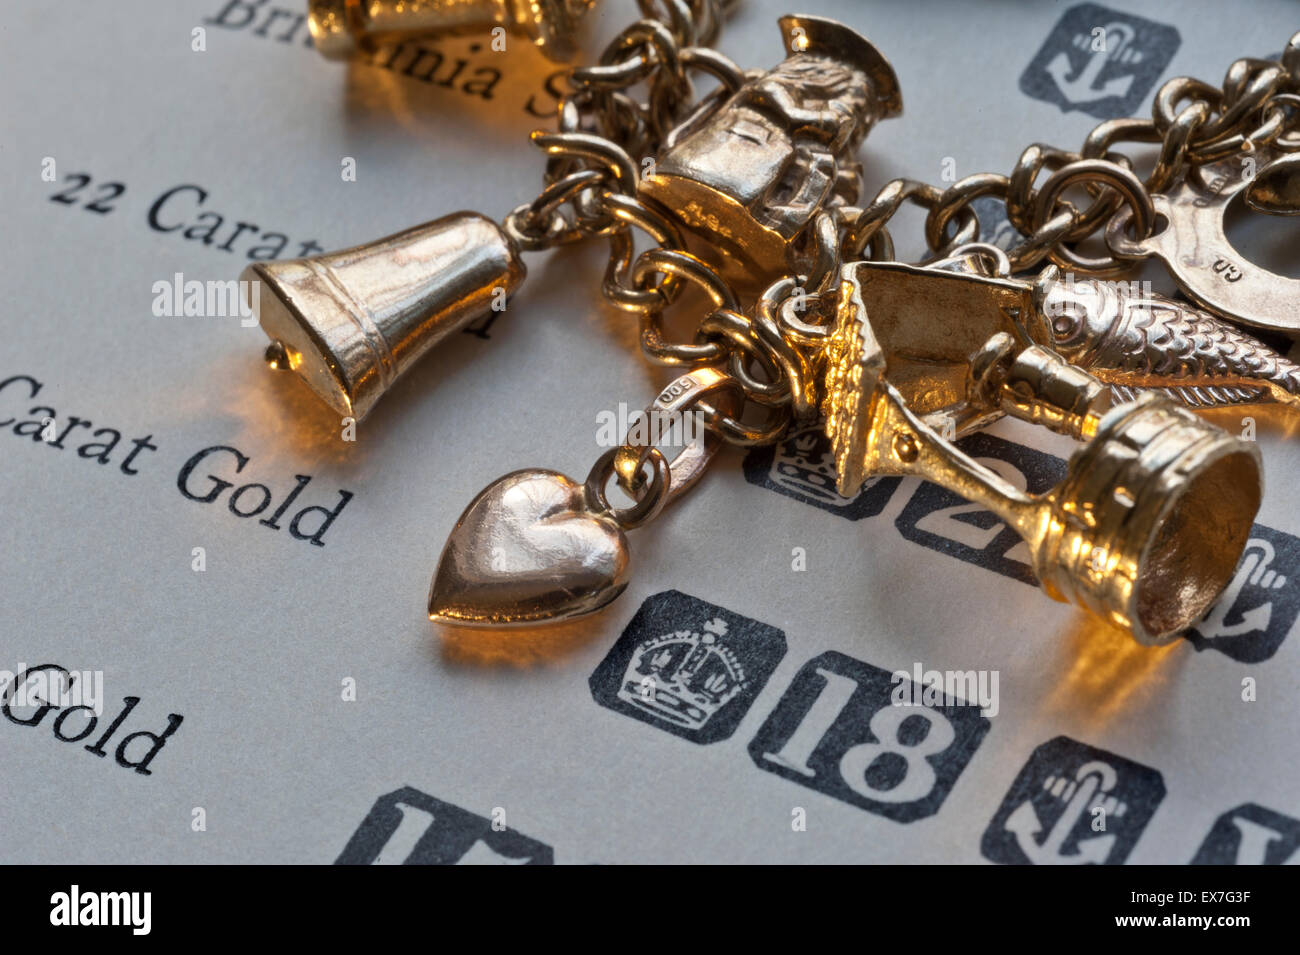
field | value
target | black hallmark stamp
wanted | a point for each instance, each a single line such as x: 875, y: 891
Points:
x: 1259, y: 606
x: 688, y: 667
x: 1073, y: 804
x: 802, y: 466
x: 1251, y: 835
x: 838, y: 730
x: 944, y: 521
x: 1100, y: 61
x: 413, y: 828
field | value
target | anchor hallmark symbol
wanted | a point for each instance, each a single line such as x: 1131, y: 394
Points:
x: 1073, y: 804
x: 1100, y: 61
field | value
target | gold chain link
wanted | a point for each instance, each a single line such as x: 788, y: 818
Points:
x: 591, y: 190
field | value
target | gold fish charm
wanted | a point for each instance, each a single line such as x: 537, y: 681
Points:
x: 1133, y: 340
x: 1137, y: 341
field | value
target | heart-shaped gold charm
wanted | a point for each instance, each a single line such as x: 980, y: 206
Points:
x: 528, y: 549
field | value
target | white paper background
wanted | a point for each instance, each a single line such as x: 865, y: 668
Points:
x: 95, y: 565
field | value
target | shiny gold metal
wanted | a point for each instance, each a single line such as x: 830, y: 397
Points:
x: 1275, y: 189
x: 528, y: 549
x: 536, y: 547
x: 753, y: 200
x: 350, y: 322
x: 1138, y: 341
x: 1194, y: 247
x: 1154, y: 512
x: 931, y: 321
x: 746, y: 179
x: 1038, y: 386
x: 342, y: 28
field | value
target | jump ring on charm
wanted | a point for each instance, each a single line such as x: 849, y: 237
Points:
x: 1123, y: 180
x: 996, y: 258
x: 594, y: 148
x: 557, y: 231
x: 668, y: 412
x: 780, y: 299
x: 957, y: 198
x: 687, y: 266
x: 880, y: 247
x: 746, y: 344
x: 647, y: 507
x: 737, y: 433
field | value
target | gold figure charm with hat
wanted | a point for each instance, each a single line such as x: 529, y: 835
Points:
x: 754, y: 199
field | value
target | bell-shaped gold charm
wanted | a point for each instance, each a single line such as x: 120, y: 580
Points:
x: 350, y: 322
x: 341, y: 28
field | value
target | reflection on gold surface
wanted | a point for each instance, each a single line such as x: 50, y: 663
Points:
x: 279, y: 416
x: 1274, y: 421
x: 1108, y: 671
x: 520, y: 648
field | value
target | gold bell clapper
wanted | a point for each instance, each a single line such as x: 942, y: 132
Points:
x: 344, y: 28
x: 349, y: 322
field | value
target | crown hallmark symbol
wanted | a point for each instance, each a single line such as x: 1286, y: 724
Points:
x: 684, y: 677
x: 804, y: 463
